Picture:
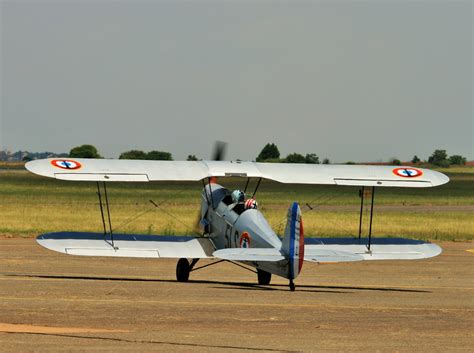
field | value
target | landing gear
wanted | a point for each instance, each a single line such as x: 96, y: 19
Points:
x: 184, y: 267
x: 182, y: 270
x: 264, y: 277
x: 292, y: 286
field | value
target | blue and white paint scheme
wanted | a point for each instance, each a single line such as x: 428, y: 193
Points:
x: 230, y: 231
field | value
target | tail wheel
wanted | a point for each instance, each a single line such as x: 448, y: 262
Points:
x: 182, y: 270
x: 264, y: 277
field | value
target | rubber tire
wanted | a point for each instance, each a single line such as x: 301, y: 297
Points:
x: 182, y: 270
x: 264, y: 277
x: 292, y: 286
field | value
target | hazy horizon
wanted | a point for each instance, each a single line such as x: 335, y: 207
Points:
x: 347, y: 80
x: 208, y: 157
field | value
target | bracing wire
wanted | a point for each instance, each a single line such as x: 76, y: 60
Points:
x: 156, y: 205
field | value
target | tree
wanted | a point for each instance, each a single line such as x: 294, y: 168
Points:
x: 295, y: 158
x: 439, y: 158
x: 457, y: 159
x: 270, y: 151
x: 395, y: 161
x: 159, y: 156
x: 84, y: 151
x: 311, y: 158
x: 326, y: 161
x: 415, y: 159
x: 192, y: 157
x: 133, y: 154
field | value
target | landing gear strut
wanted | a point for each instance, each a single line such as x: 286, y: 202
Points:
x: 264, y: 277
x: 292, y: 286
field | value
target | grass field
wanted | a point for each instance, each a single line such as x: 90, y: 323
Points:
x: 30, y: 205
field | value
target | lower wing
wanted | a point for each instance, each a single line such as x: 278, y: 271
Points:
x: 127, y: 245
x: 325, y: 250
x: 380, y: 248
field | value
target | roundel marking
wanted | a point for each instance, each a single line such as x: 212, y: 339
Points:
x: 66, y: 164
x: 244, y: 240
x: 407, y: 172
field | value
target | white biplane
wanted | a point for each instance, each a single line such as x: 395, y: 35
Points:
x: 233, y: 229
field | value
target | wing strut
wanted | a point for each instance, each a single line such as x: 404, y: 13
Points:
x: 210, y: 193
x: 362, y: 195
x: 101, y: 205
x: 256, y: 188
x: 371, y: 216
x: 247, y: 185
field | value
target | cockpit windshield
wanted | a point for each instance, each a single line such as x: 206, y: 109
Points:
x: 221, y: 194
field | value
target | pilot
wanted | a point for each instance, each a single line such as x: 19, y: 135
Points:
x: 251, y: 204
x: 238, y: 196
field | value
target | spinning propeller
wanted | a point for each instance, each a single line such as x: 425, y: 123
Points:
x: 218, y: 154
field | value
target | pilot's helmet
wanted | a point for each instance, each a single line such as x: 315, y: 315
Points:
x: 238, y: 196
x: 251, y: 204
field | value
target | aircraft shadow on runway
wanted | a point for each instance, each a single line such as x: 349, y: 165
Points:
x: 230, y: 285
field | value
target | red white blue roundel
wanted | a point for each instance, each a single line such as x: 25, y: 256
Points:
x: 407, y: 172
x: 66, y: 164
x: 245, y: 240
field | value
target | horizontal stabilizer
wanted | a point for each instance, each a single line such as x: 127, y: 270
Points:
x: 127, y: 245
x: 330, y: 256
x: 249, y: 254
x: 380, y: 248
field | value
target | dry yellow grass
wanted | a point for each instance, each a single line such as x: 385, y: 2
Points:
x: 31, y: 205
x: 180, y: 219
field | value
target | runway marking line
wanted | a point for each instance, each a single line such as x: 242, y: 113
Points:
x: 201, y: 303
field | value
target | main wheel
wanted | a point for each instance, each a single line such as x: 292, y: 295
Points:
x: 264, y: 277
x: 182, y: 270
x: 292, y: 286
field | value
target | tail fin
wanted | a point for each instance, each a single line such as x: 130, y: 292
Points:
x: 293, y: 241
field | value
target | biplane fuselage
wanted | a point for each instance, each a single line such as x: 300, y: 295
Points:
x: 230, y: 225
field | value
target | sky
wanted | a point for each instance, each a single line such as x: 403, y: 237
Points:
x: 347, y: 80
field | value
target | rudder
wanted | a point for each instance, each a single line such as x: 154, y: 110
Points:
x: 293, y: 241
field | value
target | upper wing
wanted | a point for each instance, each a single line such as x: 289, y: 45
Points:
x: 380, y: 248
x: 127, y: 245
x: 136, y: 170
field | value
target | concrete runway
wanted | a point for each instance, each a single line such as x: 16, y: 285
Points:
x: 55, y: 302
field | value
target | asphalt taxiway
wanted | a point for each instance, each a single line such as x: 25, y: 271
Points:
x: 55, y: 302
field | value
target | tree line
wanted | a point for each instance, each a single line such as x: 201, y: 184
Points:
x: 90, y: 151
x: 438, y: 158
x: 269, y: 154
